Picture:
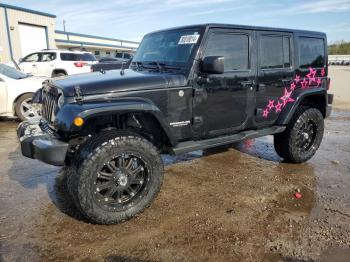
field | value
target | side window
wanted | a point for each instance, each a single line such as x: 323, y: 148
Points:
x: 311, y: 52
x: 274, y: 52
x: 233, y: 47
x: 126, y: 56
x: 47, y: 57
x: 286, y: 51
x: 119, y: 55
x: 32, y: 58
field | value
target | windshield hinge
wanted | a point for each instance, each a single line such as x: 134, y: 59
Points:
x: 78, y: 95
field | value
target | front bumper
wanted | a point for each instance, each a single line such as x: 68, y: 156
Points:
x: 39, y: 144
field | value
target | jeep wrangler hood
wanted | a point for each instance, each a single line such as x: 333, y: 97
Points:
x: 113, y: 81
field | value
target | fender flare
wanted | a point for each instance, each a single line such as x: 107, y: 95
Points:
x: 65, y: 116
x: 288, y: 111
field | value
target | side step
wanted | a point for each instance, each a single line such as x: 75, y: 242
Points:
x: 189, y: 146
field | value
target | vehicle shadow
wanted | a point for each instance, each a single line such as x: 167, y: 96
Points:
x: 32, y: 173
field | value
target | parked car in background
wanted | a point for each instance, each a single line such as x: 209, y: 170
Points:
x: 110, y: 63
x: 16, y: 92
x: 55, y: 63
x: 125, y: 57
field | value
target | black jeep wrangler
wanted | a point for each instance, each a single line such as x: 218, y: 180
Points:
x: 187, y: 88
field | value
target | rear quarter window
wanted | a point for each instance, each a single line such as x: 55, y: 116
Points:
x: 77, y: 57
x: 311, y: 52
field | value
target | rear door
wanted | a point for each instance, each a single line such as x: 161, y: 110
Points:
x: 275, y: 73
x: 46, y: 64
x: 222, y: 101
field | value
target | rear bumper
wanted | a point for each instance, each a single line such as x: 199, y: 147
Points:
x: 329, y: 105
x: 40, y: 145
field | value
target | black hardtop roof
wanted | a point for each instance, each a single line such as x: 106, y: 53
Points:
x: 246, y: 27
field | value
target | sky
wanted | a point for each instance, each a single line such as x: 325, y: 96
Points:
x: 131, y: 19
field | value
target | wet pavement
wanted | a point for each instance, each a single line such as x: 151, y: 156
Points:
x: 231, y: 204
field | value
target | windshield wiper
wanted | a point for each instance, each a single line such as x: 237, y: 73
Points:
x: 162, y: 66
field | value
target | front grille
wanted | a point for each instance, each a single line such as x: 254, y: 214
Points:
x: 49, y: 104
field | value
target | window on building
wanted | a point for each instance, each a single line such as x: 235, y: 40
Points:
x: 311, y: 52
x: 97, y: 53
x: 274, y: 52
x: 108, y: 53
x: 233, y: 47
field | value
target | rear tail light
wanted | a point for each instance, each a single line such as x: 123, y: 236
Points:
x: 79, y: 64
x: 328, y: 84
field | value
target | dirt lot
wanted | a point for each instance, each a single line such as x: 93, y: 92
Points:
x: 231, y: 205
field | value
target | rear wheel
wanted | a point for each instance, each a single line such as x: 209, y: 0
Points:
x: 59, y: 74
x: 114, y: 179
x: 302, y: 137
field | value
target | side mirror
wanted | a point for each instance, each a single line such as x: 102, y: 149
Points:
x: 20, y: 60
x: 213, y: 65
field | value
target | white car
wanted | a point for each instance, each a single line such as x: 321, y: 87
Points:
x: 16, y: 92
x: 55, y: 63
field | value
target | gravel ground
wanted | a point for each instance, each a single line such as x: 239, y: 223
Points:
x: 235, y: 204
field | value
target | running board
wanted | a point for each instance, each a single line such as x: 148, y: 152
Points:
x: 189, y: 146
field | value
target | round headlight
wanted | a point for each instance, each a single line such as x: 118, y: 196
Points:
x: 60, y: 101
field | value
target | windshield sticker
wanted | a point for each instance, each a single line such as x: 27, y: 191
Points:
x: 188, y: 39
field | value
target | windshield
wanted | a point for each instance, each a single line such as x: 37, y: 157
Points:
x: 11, y: 72
x: 168, y: 47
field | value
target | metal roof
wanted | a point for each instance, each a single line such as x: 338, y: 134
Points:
x: 26, y: 10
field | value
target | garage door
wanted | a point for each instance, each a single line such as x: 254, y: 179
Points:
x: 32, y: 38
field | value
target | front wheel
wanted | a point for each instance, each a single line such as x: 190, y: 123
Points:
x: 302, y: 137
x: 25, y: 109
x: 115, y: 178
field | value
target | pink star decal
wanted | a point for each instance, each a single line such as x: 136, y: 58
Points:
x: 323, y: 72
x: 312, y: 73
x: 278, y: 107
x: 319, y: 81
x: 304, y: 83
x: 286, y: 97
x: 292, y: 86
x: 297, y: 79
x: 271, y: 104
x: 265, y: 113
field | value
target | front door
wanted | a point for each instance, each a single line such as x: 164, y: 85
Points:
x: 29, y: 64
x: 3, y: 96
x: 275, y: 74
x: 221, y: 101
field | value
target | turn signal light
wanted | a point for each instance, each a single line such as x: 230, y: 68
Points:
x: 78, y: 121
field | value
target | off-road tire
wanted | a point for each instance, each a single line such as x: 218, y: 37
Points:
x: 286, y: 142
x: 97, y: 151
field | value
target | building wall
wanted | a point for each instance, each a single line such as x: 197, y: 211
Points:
x: 15, y: 17
x: 4, y: 48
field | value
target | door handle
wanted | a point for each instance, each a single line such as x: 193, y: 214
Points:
x: 33, y: 64
x: 261, y: 87
x: 286, y: 80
